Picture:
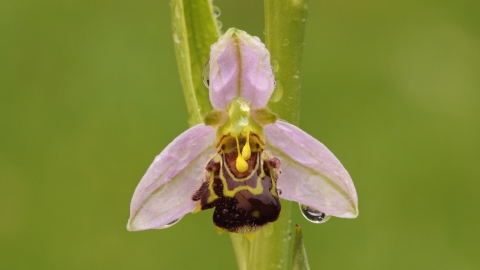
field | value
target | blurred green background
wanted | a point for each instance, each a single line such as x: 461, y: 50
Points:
x: 90, y: 93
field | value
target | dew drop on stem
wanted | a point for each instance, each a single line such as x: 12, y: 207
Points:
x: 206, y: 74
x: 216, y: 11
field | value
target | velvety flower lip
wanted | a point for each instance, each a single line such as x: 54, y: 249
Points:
x: 241, y: 156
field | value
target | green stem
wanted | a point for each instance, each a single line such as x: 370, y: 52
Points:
x: 194, y: 30
x: 270, y: 249
x: 284, y: 29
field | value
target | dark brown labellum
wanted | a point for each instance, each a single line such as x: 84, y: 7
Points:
x: 244, y: 202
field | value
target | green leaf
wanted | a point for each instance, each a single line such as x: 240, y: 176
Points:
x: 300, y: 260
x: 194, y: 30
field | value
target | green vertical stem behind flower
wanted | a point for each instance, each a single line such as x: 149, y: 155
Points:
x: 194, y: 30
x: 284, y: 29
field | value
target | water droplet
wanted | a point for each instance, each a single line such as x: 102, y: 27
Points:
x: 275, y: 65
x: 297, y: 75
x: 170, y: 224
x: 277, y: 93
x: 264, y: 31
x: 313, y: 215
x: 279, y: 191
x: 219, y: 24
x: 267, y: 231
x: 206, y: 74
x: 304, y: 19
x: 176, y: 39
x: 216, y: 11
x: 286, y: 42
x: 177, y: 11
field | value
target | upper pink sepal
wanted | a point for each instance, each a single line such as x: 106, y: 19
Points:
x: 164, y: 193
x: 311, y: 174
x: 240, y: 67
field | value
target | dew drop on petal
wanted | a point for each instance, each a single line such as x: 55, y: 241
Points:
x: 206, y: 74
x: 170, y: 224
x: 313, y: 215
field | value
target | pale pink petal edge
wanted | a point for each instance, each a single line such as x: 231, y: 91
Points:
x: 164, y: 193
x: 311, y: 174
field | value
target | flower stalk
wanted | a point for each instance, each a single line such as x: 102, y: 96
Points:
x: 194, y: 30
x: 284, y: 38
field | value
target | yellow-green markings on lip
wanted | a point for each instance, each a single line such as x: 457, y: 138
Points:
x: 244, y: 201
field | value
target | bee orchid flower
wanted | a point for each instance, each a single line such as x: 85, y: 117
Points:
x: 242, y: 159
